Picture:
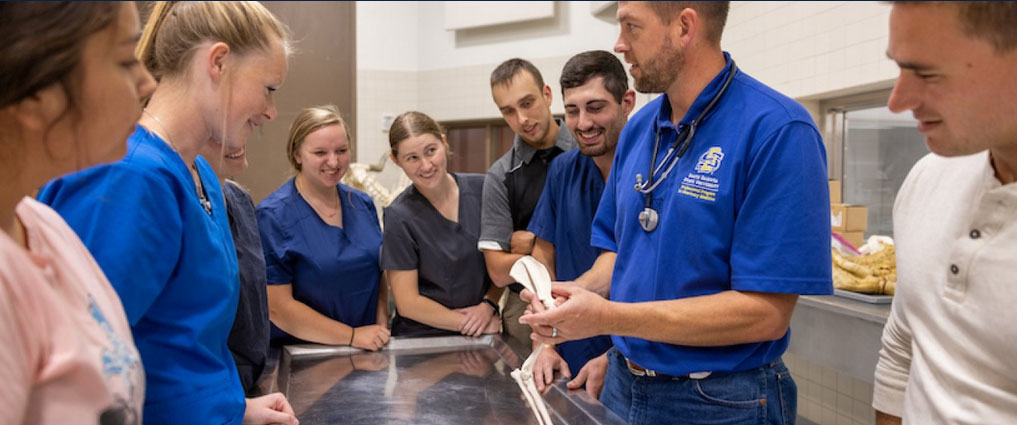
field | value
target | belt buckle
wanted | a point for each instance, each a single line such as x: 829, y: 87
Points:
x: 638, y: 370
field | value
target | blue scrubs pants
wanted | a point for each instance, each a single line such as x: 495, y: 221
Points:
x: 765, y: 395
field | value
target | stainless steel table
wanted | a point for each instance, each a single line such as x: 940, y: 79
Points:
x: 441, y: 380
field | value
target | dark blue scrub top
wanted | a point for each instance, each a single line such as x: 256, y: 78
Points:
x: 333, y: 270
x: 746, y: 208
x: 563, y: 217
x: 248, y: 339
x: 173, y: 266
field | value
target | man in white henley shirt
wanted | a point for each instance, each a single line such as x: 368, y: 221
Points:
x: 949, y: 351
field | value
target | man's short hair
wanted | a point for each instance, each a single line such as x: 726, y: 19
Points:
x: 714, y: 14
x: 504, y: 73
x: 992, y: 21
x: 586, y: 66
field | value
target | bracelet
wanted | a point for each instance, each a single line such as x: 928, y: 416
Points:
x: 494, y: 306
x: 353, y: 332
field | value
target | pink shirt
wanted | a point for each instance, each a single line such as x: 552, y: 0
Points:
x: 67, y: 355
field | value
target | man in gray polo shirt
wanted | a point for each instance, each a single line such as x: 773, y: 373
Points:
x: 515, y: 181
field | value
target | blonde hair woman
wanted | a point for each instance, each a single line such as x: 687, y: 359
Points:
x: 156, y: 221
x: 322, y: 242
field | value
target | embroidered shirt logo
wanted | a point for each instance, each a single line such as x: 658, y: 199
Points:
x: 700, y: 183
x: 710, y: 160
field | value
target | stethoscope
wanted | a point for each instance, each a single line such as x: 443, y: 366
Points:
x: 648, y: 217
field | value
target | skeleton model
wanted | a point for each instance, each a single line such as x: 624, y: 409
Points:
x: 362, y: 177
x: 534, y: 276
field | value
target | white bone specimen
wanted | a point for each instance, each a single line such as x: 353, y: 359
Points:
x: 534, y: 276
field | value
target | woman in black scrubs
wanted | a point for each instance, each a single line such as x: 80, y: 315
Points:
x: 429, y: 249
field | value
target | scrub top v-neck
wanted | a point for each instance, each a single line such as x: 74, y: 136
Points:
x: 450, y: 269
x: 333, y: 270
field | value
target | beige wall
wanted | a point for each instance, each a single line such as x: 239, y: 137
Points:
x: 322, y: 70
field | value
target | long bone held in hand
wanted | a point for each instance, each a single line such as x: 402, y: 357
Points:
x: 534, y: 276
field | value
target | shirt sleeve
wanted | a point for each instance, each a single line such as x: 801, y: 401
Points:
x: 602, y: 234
x: 372, y: 214
x: 543, y: 222
x: 275, y: 244
x: 893, y: 369
x: 894, y: 365
x: 372, y: 210
x: 784, y: 214
x: 399, y: 248
x: 129, y: 218
x: 495, y: 213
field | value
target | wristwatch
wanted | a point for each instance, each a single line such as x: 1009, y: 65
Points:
x: 494, y: 306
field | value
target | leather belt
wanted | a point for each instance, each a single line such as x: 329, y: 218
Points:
x: 638, y: 370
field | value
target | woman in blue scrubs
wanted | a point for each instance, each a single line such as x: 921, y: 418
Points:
x: 156, y: 222
x: 439, y: 278
x: 322, y: 241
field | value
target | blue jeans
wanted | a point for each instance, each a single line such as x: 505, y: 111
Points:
x: 765, y: 395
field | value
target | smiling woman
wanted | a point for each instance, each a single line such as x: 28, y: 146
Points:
x: 439, y: 278
x: 217, y: 64
x: 322, y: 241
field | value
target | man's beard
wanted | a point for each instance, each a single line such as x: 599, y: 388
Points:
x: 660, y: 72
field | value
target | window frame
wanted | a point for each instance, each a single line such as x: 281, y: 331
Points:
x: 834, y: 111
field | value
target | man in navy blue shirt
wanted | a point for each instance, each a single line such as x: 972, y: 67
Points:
x: 597, y: 104
x: 714, y: 219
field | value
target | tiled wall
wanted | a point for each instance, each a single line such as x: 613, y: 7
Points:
x: 380, y: 92
x: 830, y: 398
x: 812, y: 49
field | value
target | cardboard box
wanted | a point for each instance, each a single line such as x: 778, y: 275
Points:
x: 854, y: 238
x: 835, y: 191
x: 848, y: 218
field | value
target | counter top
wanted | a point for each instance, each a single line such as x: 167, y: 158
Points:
x: 838, y: 333
x: 438, y: 380
x: 876, y: 313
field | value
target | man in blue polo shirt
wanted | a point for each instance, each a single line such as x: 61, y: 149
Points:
x: 597, y: 104
x: 714, y: 219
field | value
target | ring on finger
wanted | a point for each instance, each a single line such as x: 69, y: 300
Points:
x: 554, y: 332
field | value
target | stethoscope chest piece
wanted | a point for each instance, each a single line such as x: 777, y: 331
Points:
x: 648, y: 219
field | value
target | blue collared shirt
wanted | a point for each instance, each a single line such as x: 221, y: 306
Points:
x: 746, y: 209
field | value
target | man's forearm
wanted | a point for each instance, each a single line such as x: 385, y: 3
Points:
x: 498, y: 265
x: 726, y: 318
x: 543, y: 251
x: 598, y: 278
